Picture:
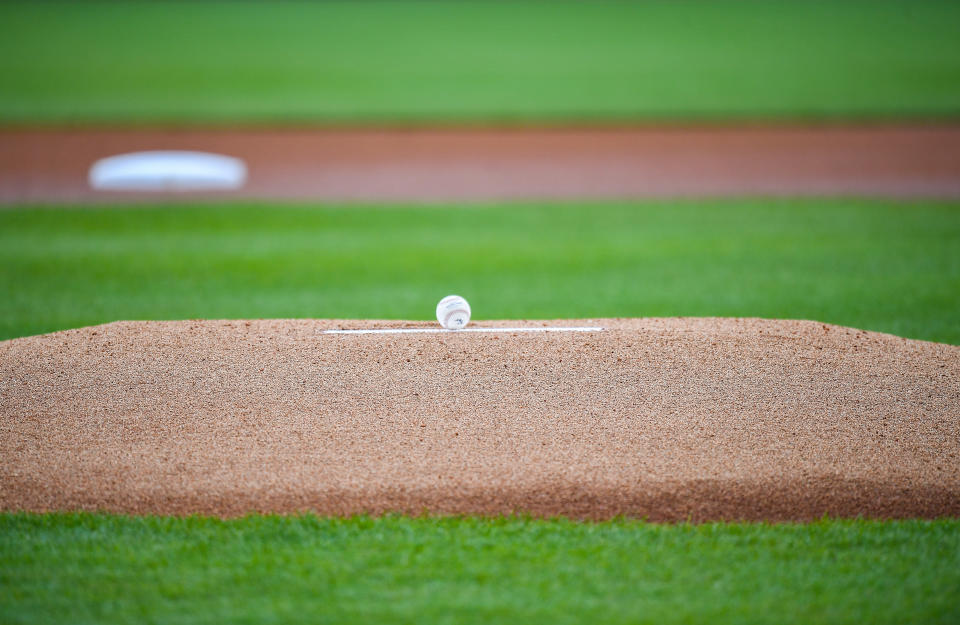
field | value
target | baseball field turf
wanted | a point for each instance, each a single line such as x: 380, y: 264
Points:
x: 108, y: 569
x: 878, y: 265
x: 884, y: 265
x: 428, y: 62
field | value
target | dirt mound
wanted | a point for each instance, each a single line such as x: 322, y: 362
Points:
x: 662, y: 418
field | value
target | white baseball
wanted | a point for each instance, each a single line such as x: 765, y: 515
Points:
x: 453, y: 312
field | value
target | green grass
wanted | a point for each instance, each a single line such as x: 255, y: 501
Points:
x: 877, y: 265
x: 107, y: 569
x: 476, y: 61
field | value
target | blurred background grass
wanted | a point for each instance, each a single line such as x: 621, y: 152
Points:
x: 886, y: 266
x: 434, y: 62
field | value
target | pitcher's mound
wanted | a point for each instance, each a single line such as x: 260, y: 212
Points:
x: 668, y: 419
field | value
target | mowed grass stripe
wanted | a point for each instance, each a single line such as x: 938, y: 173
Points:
x: 109, y: 569
x: 430, y: 62
x: 877, y: 265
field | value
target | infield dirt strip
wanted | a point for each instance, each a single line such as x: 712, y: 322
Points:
x: 668, y: 419
x: 477, y: 164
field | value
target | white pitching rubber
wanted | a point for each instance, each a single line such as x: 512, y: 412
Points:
x: 467, y: 330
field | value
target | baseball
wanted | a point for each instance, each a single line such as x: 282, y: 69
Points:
x: 453, y: 312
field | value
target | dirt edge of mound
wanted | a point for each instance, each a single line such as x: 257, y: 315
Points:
x: 698, y: 501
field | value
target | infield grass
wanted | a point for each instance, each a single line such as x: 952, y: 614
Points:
x: 110, y: 569
x: 876, y: 265
x: 434, y: 62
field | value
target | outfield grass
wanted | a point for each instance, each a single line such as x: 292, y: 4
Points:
x: 886, y: 266
x: 108, y: 569
x: 203, y: 62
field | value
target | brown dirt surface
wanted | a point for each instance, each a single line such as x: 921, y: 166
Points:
x: 486, y: 164
x: 669, y: 419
